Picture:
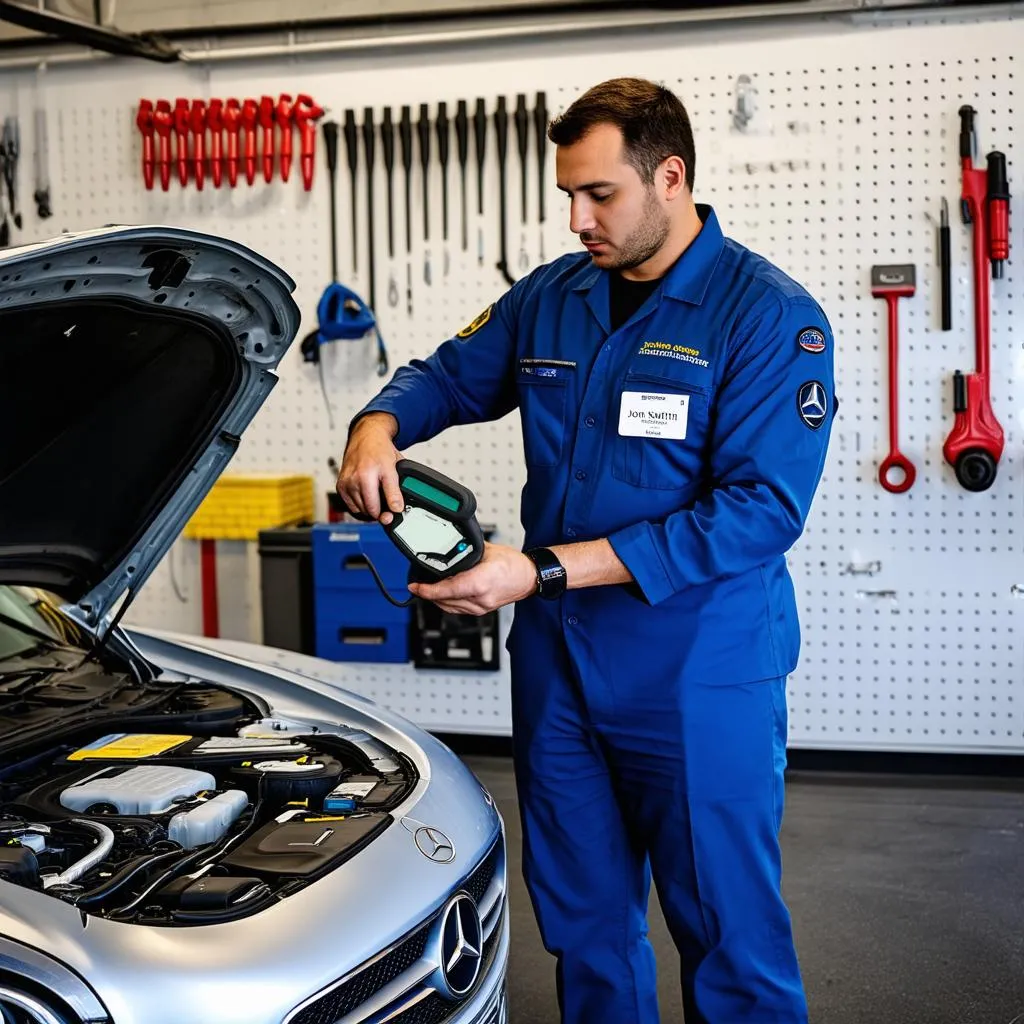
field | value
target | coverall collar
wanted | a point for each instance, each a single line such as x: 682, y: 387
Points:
x: 687, y: 280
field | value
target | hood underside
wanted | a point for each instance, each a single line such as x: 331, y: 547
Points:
x: 130, y: 362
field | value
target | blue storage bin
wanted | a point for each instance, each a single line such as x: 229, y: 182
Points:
x: 353, y: 625
x: 340, y: 551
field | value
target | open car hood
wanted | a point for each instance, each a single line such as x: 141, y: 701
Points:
x: 131, y: 360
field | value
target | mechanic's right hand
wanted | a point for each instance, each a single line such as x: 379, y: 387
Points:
x: 369, y: 466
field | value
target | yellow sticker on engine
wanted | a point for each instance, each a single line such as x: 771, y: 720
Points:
x: 475, y: 324
x: 128, y: 746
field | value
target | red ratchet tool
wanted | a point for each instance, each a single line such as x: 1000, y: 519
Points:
x: 306, y: 114
x: 232, y: 125
x: 266, y: 117
x: 163, y: 121
x: 144, y: 120
x: 181, y: 138
x: 975, y: 444
x: 197, y: 122
x: 215, y: 122
x: 283, y: 112
x: 893, y: 283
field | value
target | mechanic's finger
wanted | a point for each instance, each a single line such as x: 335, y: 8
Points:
x: 368, y: 485
x: 392, y: 492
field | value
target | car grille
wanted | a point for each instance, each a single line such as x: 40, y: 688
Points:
x: 345, y: 998
x: 434, y: 1009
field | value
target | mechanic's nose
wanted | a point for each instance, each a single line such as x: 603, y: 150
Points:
x: 581, y: 216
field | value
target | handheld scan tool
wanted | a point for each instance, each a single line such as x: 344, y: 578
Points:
x: 437, y: 530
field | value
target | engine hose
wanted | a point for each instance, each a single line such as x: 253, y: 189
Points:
x: 168, y: 876
x: 127, y: 875
x: 90, y: 860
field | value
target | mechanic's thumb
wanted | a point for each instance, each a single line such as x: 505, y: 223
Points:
x: 392, y: 492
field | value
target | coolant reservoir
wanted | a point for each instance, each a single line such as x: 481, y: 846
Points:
x: 209, y: 821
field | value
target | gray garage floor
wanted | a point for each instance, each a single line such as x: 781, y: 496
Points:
x: 907, y: 898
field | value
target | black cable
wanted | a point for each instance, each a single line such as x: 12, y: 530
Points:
x: 383, y: 586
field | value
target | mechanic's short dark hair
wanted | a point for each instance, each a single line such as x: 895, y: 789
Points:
x: 653, y: 122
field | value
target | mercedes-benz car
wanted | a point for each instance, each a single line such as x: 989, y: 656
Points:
x: 191, y: 830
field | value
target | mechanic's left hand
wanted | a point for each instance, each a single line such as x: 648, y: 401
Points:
x: 502, y: 576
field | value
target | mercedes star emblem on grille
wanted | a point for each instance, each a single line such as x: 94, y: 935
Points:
x: 461, y: 947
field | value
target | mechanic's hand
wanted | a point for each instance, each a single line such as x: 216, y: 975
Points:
x: 369, y: 465
x: 502, y: 576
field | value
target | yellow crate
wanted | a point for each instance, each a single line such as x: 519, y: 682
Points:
x: 242, y: 504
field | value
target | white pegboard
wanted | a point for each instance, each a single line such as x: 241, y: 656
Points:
x: 852, y: 146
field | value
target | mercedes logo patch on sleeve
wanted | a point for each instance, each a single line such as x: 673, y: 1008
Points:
x: 812, y: 403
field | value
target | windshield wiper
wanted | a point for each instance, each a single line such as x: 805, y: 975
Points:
x: 27, y: 630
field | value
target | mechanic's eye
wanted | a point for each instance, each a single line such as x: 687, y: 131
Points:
x: 601, y: 199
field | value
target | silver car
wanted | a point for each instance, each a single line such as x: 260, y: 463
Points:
x: 195, y: 831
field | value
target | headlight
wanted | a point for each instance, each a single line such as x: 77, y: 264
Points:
x: 21, y: 1008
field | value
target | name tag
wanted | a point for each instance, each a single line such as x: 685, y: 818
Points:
x: 648, y: 414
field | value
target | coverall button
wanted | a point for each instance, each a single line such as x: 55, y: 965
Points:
x: 590, y: 421
x: 581, y: 474
x: 572, y: 620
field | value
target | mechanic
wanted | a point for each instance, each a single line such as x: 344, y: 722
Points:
x: 676, y: 397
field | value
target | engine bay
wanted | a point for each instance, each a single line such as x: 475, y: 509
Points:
x: 174, y: 828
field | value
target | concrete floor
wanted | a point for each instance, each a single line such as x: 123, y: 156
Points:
x: 907, y: 898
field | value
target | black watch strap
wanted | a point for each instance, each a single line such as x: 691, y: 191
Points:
x: 551, y: 577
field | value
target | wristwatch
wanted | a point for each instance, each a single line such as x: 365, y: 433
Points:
x: 551, y: 577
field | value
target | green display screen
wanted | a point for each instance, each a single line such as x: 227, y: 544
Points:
x: 439, y: 497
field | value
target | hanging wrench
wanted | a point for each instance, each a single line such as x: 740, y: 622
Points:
x: 306, y: 114
x: 144, y: 121
x: 285, y: 113
x: 197, y: 122
x: 215, y: 122
x: 181, y: 138
x: 232, y: 125
x: 250, y: 113
x: 892, y: 283
x: 163, y: 121
x: 267, y: 124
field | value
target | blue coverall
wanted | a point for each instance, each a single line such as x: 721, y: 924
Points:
x: 649, y: 719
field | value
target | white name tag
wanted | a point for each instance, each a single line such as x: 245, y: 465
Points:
x: 646, y: 414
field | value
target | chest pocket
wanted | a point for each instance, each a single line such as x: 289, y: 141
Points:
x: 543, y: 396
x: 664, y: 463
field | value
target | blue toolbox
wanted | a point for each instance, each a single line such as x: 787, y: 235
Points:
x: 354, y: 622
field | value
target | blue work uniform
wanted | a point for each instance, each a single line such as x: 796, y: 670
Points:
x: 649, y: 719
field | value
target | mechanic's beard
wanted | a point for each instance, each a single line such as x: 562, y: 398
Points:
x: 646, y: 240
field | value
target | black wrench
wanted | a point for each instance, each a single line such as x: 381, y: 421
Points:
x: 540, y: 124
x: 480, y: 133
x: 387, y: 141
x: 352, y: 146
x: 441, y: 125
x: 423, y: 128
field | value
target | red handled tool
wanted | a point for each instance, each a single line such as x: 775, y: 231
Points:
x: 232, y: 124
x: 197, y: 122
x: 284, y: 112
x: 306, y: 114
x: 215, y: 122
x: 893, y: 283
x: 975, y: 444
x: 163, y: 121
x: 181, y: 138
x: 250, y: 114
x: 144, y: 120
x: 266, y: 118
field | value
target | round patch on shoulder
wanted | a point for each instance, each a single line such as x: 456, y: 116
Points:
x: 475, y: 324
x: 812, y: 403
x: 811, y: 339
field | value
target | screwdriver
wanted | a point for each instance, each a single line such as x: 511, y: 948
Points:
x: 368, y: 145
x: 522, y: 141
x: 480, y: 132
x: 352, y: 146
x: 387, y: 141
x: 540, y: 124
x: 462, y: 137
x: 423, y: 128
x: 441, y: 126
x: 501, y: 131
x: 405, y: 138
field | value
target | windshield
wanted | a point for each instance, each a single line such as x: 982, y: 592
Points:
x: 39, y: 612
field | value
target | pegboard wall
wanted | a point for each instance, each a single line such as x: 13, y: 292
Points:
x: 909, y: 603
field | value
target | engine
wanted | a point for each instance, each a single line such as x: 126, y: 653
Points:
x: 167, y: 829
